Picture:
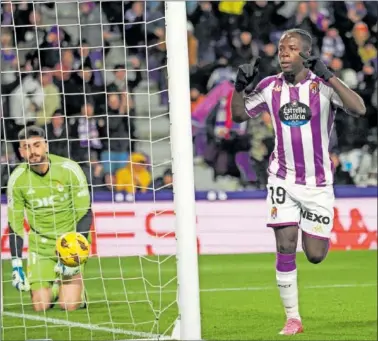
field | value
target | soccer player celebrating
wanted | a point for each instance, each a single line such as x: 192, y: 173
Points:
x: 53, y: 191
x: 302, y: 102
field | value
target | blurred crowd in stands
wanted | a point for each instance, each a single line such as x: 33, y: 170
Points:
x: 73, y: 81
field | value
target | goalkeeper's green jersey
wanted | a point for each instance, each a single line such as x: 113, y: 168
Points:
x: 53, y: 203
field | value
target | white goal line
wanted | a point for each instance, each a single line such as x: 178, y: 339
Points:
x: 92, y: 327
x: 265, y: 288
x: 325, y: 286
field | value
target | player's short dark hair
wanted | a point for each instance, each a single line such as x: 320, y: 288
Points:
x: 32, y: 131
x: 119, y: 67
x: 304, y: 35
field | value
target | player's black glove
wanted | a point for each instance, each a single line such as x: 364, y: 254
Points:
x: 246, y: 75
x: 316, y: 66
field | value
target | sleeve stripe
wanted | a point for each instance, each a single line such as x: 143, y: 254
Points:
x: 13, y: 178
x: 77, y: 171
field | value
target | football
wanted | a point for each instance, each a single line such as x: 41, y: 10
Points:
x: 73, y: 249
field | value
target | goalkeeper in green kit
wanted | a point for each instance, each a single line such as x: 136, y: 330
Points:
x: 54, y: 194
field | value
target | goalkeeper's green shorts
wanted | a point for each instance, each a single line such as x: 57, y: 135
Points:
x: 40, y: 271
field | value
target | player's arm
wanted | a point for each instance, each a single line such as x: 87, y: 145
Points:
x: 16, y: 205
x: 352, y: 103
x: 15, y: 220
x: 81, y: 199
x: 250, y: 105
x: 238, y: 111
x: 247, y: 100
x: 84, y: 224
x: 342, y: 95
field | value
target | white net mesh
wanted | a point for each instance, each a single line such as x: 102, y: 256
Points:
x: 93, y: 76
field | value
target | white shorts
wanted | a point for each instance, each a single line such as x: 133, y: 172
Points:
x: 311, y: 209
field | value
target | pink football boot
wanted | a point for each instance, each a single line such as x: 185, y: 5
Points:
x: 292, y: 327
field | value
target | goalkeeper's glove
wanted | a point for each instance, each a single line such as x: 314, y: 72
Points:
x: 66, y: 271
x: 19, y: 280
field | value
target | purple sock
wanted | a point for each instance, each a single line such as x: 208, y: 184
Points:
x: 285, y: 263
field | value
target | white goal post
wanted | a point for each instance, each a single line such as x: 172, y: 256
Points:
x: 183, y: 172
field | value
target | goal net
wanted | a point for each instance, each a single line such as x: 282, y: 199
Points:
x: 108, y: 82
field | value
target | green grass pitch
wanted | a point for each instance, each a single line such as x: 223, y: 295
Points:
x: 239, y: 300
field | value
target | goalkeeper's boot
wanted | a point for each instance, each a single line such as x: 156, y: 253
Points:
x: 55, y: 292
x: 292, y: 327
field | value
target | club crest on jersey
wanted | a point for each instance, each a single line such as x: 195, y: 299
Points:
x: 273, y: 212
x: 295, y: 114
x: 277, y: 88
x: 314, y: 87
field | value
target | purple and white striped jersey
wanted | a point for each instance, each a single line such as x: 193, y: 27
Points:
x: 302, y: 117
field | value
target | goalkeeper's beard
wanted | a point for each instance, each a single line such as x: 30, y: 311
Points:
x: 37, y: 160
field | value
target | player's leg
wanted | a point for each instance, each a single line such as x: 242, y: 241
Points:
x: 284, y: 218
x: 287, y: 278
x: 41, y: 298
x: 286, y: 269
x: 316, y: 223
x: 41, y: 276
x: 71, y: 293
x: 315, y: 248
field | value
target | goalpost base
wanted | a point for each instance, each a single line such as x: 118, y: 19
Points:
x: 177, y: 330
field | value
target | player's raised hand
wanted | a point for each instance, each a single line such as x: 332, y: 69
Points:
x: 246, y: 74
x: 19, y: 280
x: 316, y: 65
